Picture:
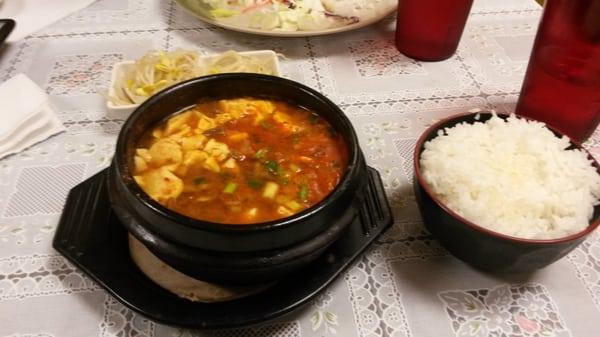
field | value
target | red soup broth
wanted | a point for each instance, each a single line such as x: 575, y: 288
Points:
x: 241, y: 161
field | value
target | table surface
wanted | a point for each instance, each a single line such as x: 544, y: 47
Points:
x: 405, y: 285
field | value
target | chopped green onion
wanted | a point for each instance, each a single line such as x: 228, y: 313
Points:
x: 230, y: 187
x: 272, y: 166
x: 255, y: 183
x: 261, y: 153
x: 199, y: 180
x: 303, y: 193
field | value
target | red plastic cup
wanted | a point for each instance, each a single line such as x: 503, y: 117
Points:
x: 430, y: 30
x: 562, y: 82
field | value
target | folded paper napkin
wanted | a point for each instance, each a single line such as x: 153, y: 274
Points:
x: 26, y: 115
x: 33, y: 15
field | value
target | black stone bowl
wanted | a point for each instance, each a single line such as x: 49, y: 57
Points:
x: 225, y: 253
x: 476, y: 245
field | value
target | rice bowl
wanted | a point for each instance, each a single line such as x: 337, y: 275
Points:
x: 512, y: 176
x: 475, y: 244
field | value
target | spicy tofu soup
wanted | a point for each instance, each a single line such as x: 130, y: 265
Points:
x: 240, y: 161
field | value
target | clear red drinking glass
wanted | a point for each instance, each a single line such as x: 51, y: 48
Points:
x: 430, y: 30
x: 562, y: 82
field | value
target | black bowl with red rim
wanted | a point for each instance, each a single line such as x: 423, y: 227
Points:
x: 479, y: 246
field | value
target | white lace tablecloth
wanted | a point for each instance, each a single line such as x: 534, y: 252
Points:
x: 405, y: 285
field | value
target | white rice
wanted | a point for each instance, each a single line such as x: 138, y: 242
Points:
x: 514, y: 177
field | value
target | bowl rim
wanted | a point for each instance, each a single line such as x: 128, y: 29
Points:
x: 421, y: 181
x: 122, y: 167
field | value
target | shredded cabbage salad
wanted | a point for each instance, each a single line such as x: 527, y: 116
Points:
x: 285, y: 15
x: 159, y: 69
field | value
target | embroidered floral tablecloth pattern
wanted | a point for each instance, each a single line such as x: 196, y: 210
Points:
x: 405, y: 285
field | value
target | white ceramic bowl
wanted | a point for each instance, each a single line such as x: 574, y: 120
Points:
x: 121, y: 68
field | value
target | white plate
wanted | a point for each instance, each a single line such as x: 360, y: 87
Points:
x: 199, y: 13
x: 121, y: 68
